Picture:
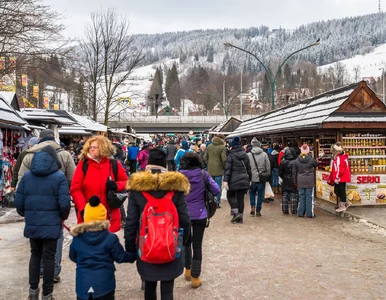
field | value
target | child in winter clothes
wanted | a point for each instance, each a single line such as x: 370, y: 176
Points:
x: 340, y: 175
x: 94, y: 250
x: 288, y: 186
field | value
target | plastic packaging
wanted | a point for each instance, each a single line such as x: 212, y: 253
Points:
x: 180, y: 239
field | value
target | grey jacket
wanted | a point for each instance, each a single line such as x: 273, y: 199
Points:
x: 303, y: 171
x: 68, y: 165
x: 262, y: 161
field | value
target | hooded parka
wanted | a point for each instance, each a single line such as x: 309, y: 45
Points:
x: 303, y: 171
x: 157, y: 184
x: 238, y: 169
x: 215, y: 157
x: 285, y: 172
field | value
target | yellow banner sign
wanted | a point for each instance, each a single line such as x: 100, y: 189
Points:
x: 35, y: 91
x: 2, y: 62
x: 56, y: 106
x: 24, y: 80
x: 46, y: 102
x: 12, y: 62
x: 27, y: 104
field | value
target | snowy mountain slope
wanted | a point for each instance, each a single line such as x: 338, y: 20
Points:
x: 369, y: 64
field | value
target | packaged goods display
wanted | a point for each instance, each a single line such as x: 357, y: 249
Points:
x: 367, y: 152
x: 325, y: 154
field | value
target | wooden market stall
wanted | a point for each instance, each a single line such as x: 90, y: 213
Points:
x: 353, y: 115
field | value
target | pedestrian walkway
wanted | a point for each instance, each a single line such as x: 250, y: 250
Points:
x: 275, y: 256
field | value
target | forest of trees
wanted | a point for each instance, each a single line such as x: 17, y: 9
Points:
x: 93, y: 73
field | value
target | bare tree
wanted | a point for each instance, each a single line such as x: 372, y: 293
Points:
x: 110, y: 57
x: 357, y: 72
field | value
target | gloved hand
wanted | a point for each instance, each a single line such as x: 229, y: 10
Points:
x: 111, y: 185
x: 225, y: 185
x: 131, y: 256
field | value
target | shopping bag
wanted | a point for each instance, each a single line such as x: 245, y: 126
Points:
x: 280, y: 181
x: 224, y: 194
x: 268, y: 191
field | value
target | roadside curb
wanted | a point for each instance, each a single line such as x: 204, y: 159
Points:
x: 348, y: 214
x: 11, y: 216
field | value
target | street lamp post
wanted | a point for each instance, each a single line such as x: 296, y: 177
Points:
x: 383, y: 84
x: 272, y: 80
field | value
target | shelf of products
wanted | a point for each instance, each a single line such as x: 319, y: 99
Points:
x: 367, y: 152
x: 324, y: 151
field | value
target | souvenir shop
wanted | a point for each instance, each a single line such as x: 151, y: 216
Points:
x: 352, y: 115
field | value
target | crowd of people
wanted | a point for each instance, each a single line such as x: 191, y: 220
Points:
x: 177, y: 174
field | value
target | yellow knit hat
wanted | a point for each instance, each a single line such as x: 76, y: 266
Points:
x: 94, y: 210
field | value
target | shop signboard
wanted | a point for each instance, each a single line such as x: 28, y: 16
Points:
x: 364, y: 189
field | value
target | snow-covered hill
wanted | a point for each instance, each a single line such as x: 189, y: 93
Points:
x: 369, y: 64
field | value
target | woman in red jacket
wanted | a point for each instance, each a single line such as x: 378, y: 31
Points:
x: 340, y: 175
x: 92, y: 180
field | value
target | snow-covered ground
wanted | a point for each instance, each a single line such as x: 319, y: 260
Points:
x: 369, y: 64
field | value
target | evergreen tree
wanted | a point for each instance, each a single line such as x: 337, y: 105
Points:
x: 210, y: 54
x: 172, y: 88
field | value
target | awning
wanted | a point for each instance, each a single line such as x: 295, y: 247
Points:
x: 69, y: 131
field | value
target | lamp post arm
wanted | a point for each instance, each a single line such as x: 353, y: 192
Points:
x: 293, y: 53
x: 250, y: 53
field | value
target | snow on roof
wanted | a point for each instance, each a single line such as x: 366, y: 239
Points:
x: 7, y: 96
x: 356, y: 119
x: 88, y: 124
x: 310, y: 113
x: 8, y: 114
x: 73, y: 130
x: 59, y: 117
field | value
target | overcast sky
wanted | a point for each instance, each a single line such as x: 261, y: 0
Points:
x: 156, y: 16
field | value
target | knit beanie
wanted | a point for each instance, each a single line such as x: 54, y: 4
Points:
x: 336, y: 148
x: 235, y: 142
x: 94, y: 210
x: 305, y: 149
x: 157, y: 157
x: 255, y: 143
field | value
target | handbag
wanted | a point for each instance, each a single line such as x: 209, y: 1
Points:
x: 264, y: 176
x: 115, y: 199
x: 210, y: 200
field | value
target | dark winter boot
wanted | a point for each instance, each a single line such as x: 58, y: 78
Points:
x: 48, y: 297
x: 33, y: 294
x: 252, y: 213
x: 236, y: 218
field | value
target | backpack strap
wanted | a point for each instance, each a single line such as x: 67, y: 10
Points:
x: 85, y: 167
x: 114, y: 166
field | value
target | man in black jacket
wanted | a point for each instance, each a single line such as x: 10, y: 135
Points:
x: 171, y: 150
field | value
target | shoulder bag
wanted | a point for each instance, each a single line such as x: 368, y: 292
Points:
x: 264, y: 176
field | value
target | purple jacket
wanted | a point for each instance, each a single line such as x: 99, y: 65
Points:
x: 142, y: 158
x: 195, y: 199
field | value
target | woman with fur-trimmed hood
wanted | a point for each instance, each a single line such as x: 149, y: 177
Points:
x: 94, y: 250
x: 157, y: 181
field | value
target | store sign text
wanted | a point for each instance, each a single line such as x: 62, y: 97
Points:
x: 368, y: 179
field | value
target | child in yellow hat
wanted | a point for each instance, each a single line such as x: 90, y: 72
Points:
x: 94, y: 250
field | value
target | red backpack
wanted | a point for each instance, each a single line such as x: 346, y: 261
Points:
x: 158, y: 233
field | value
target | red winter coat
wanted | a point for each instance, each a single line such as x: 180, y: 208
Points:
x: 82, y: 188
x: 281, y: 154
x: 341, y: 169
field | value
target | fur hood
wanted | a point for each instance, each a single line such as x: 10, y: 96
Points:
x: 168, y: 181
x: 90, y: 227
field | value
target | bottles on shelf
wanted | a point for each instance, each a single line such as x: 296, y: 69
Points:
x: 325, y: 154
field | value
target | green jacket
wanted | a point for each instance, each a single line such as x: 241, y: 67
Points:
x: 16, y: 168
x: 215, y: 157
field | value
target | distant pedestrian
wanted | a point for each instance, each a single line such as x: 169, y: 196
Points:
x: 201, y: 154
x: 94, y: 250
x: 43, y: 198
x: 132, y: 154
x: 199, y: 179
x: 340, y: 175
x: 143, y: 156
x: 259, y: 162
x: 181, y: 152
x: 288, y: 186
x: 237, y: 178
x: 215, y: 158
x: 275, y: 168
x: 303, y: 173
x: 171, y: 150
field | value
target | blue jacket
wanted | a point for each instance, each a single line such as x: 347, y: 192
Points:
x: 43, y: 197
x: 94, y: 251
x: 132, y: 152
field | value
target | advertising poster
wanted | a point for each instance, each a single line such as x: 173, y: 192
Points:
x: 24, y: 80
x: 364, y: 189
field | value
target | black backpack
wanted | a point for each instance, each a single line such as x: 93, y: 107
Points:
x: 114, y: 165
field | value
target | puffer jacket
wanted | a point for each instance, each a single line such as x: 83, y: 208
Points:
x: 340, y: 168
x: 132, y: 152
x: 215, y: 157
x: 94, y: 250
x: 237, y: 169
x: 65, y: 158
x: 142, y: 158
x: 285, y: 172
x: 275, y: 157
x: 43, y: 198
x: 196, y: 198
x: 157, y: 184
x: 303, y: 171
x: 262, y: 162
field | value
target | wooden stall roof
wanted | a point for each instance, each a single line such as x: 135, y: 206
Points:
x: 350, y: 106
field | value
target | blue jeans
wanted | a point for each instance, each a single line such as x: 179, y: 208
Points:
x: 306, y: 202
x: 218, y: 180
x: 58, y: 255
x: 259, y: 188
x: 275, y: 177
